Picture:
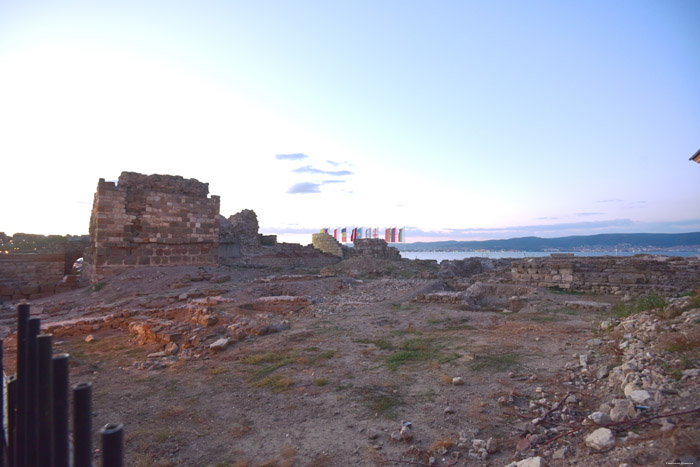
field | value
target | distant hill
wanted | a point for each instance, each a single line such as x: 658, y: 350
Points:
x: 603, y: 242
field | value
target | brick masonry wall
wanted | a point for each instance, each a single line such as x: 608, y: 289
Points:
x: 609, y: 275
x: 374, y: 247
x: 148, y: 220
x: 30, y: 276
x: 326, y: 244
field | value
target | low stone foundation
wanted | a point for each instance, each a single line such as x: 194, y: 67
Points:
x: 609, y: 275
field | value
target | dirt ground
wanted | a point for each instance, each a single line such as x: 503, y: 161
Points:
x: 343, y: 374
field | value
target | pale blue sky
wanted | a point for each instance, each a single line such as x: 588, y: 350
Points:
x: 457, y: 119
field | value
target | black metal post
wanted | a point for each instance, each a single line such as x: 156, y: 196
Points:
x: 20, y: 438
x: 32, y: 390
x: 45, y: 400
x: 82, y: 425
x: 60, y: 410
x: 11, y: 419
x: 112, y: 445
x: 3, y: 441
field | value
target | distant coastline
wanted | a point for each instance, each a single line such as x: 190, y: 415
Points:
x: 588, y: 245
x: 440, y: 256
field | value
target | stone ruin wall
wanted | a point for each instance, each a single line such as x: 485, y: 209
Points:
x: 607, y: 274
x: 373, y: 247
x: 292, y: 255
x: 367, y: 247
x: 38, y: 266
x: 327, y: 244
x: 151, y: 220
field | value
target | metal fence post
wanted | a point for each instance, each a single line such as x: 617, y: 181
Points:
x: 32, y: 377
x: 20, y: 442
x: 112, y: 445
x: 60, y: 410
x: 82, y: 425
x: 3, y: 439
x: 45, y: 400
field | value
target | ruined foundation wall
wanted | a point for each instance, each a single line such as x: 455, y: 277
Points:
x: 35, y: 266
x: 147, y: 220
x: 373, y: 247
x: 609, y: 275
x: 30, y: 276
x: 327, y: 244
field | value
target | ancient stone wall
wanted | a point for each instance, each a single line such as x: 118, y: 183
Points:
x: 33, y: 275
x: 35, y: 266
x: 327, y: 244
x: 146, y: 220
x: 608, y: 274
x: 238, y: 235
x: 290, y: 255
x: 373, y: 247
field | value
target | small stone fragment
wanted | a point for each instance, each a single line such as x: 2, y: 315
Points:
x: 523, y: 445
x: 622, y: 411
x: 639, y: 396
x: 600, y: 440
x: 529, y: 462
x: 491, y: 446
x: 219, y: 344
x: 89, y: 338
x: 560, y: 453
x: 457, y: 381
x: 599, y: 418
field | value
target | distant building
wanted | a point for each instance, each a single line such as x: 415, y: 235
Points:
x: 696, y: 157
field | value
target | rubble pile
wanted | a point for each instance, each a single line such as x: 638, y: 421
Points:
x: 634, y: 385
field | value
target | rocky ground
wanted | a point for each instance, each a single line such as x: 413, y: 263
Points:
x: 378, y: 363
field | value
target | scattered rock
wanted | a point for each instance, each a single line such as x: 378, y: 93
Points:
x: 601, y: 439
x: 219, y: 344
x: 89, y: 338
x: 600, y: 418
x: 529, y: 462
x: 523, y: 445
x: 639, y: 396
x: 457, y: 381
x: 623, y: 410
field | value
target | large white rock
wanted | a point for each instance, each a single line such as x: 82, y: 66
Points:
x: 639, y: 396
x: 529, y: 462
x: 600, y: 440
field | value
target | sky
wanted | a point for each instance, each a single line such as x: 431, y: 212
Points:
x: 458, y: 120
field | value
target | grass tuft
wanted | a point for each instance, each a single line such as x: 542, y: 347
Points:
x: 277, y: 383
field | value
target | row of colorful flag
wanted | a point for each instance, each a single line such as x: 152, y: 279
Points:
x: 390, y: 235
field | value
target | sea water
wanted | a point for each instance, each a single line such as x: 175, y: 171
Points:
x: 456, y: 255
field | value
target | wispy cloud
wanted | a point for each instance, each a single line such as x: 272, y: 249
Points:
x: 610, y: 201
x: 304, y: 188
x: 310, y: 187
x: 584, y: 214
x: 291, y: 157
x: 547, y: 218
x: 313, y: 170
x: 336, y: 163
